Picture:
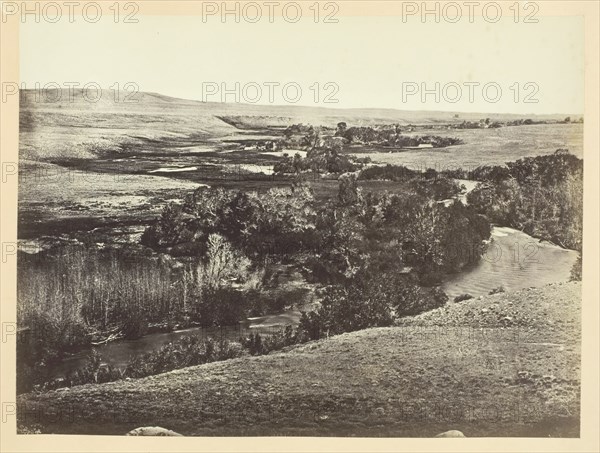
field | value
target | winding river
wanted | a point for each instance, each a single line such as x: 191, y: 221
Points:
x: 513, y: 260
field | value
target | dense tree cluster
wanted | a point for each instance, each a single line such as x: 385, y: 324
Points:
x: 390, y: 136
x: 542, y: 196
x: 324, y: 152
x: 411, y: 239
x: 409, y: 229
x: 249, y: 220
x: 429, y: 183
x: 484, y: 123
x: 318, y: 160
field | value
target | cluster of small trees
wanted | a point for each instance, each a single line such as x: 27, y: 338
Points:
x: 487, y: 123
x: 248, y: 220
x: 428, y: 183
x: 318, y: 160
x: 376, y: 302
x: 324, y: 151
x: 484, y: 123
x: 390, y: 135
x: 325, y: 146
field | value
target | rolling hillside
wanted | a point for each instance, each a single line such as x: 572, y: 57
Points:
x: 56, y: 125
x: 501, y: 365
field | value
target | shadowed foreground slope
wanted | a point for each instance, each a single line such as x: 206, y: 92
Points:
x: 504, y: 365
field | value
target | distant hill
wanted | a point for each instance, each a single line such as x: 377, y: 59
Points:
x: 58, y: 125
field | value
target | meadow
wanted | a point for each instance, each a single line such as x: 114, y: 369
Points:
x: 484, y: 147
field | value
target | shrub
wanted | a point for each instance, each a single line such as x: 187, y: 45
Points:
x: 309, y: 327
x: 253, y: 343
x: 229, y: 350
x: 135, y: 325
x: 189, y: 350
x: 221, y: 307
x: 413, y: 299
x: 94, y: 372
x: 258, y: 344
x: 279, y: 340
x: 347, y: 310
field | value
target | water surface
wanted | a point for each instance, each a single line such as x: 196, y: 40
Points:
x: 513, y: 260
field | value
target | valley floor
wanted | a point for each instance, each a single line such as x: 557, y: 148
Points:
x: 501, y: 365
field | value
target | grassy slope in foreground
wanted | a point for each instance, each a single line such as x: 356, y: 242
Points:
x: 439, y: 371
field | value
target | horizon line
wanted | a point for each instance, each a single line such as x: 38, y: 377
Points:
x: 292, y: 105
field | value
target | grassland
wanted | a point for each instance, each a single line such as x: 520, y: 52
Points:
x: 484, y: 146
x: 110, y: 165
x: 501, y: 365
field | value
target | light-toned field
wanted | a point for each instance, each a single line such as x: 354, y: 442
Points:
x: 486, y: 146
x: 55, y: 200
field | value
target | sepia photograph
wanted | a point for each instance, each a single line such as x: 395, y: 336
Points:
x: 298, y: 220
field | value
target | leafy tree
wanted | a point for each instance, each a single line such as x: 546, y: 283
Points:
x: 341, y: 129
x: 222, y: 262
x: 168, y: 230
x: 348, y: 193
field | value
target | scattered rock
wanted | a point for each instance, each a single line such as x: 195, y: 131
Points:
x: 152, y: 431
x: 451, y: 433
x: 524, y: 377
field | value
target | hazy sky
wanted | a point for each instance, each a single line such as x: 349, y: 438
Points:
x: 372, y: 61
